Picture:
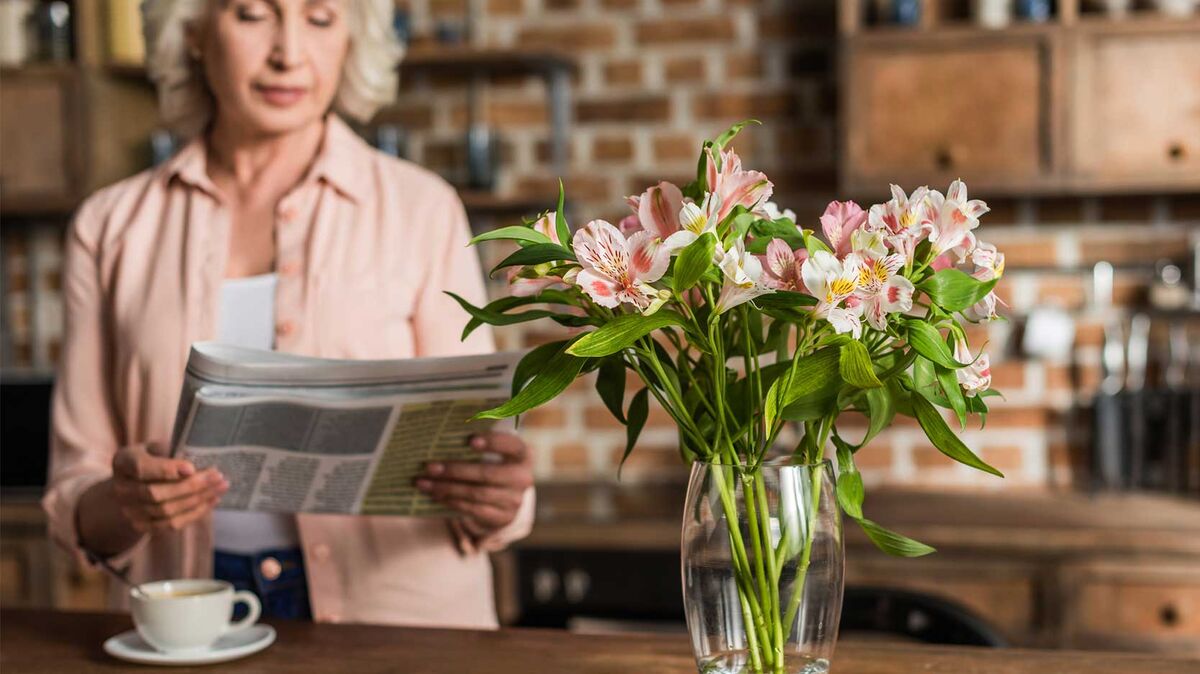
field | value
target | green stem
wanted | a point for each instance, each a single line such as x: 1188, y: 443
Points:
x: 772, y: 573
x: 810, y: 516
x: 756, y: 537
x: 752, y: 611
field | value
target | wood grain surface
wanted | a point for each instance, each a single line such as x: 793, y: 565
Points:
x: 46, y: 641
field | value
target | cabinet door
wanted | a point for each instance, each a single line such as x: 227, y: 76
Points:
x: 930, y: 113
x: 1139, y: 605
x: 1136, y: 112
x: 39, y: 169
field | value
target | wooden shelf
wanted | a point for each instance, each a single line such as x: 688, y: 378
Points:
x: 32, y: 207
x: 452, y: 60
x: 128, y: 71
x: 471, y: 61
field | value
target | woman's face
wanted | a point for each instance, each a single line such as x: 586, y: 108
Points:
x: 273, y: 65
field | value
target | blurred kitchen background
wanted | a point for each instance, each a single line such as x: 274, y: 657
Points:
x: 1078, y: 122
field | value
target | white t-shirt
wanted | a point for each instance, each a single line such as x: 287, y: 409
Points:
x: 247, y: 318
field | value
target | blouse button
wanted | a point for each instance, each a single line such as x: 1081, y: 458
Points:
x: 320, y: 552
x: 270, y: 568
x: 288, y: 268
x: 287, y: 213
x: 285, y: 328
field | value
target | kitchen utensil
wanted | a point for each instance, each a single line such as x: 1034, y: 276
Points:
x: 112, y: 571
x: 1136, y: 400
x: 992, y: 13
x: 1108, y: 440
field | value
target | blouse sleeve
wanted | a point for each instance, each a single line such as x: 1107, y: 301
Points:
x: 84, y: 429
x: 437, y: 325
x: 454, y: 267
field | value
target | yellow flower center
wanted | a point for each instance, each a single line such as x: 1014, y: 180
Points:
x: 840, y: 288
x: 907, y: 219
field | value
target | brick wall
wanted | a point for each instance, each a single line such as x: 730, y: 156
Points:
x: 655, y: 78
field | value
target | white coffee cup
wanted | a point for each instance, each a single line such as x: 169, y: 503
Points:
x: 180, y: 616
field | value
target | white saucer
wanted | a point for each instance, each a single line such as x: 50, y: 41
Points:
x: 129, y: 646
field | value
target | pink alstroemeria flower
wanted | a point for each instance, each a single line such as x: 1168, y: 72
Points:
x: 840, y: 220
x: 904, y: 218
x: 782, y: 266
x: 976, y: 377
x: 616, y: 269
x: 881, y: 290
x: 658, y: 209
x: 743, y: 278
x: 733, y: 186
x: 989, y: 264
x: 833, y: 281
x: 953, y: 217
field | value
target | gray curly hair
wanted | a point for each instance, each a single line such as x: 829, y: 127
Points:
x: 368, y: 81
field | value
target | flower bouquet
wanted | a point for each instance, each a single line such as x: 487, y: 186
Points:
x: 748, y: 330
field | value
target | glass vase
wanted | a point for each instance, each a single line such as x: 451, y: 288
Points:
x: 762, y: 561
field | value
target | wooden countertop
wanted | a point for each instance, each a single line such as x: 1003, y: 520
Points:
x: 45, y: 641
x: 1022, y: 524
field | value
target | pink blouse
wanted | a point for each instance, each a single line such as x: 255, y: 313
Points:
x: 365, y: 247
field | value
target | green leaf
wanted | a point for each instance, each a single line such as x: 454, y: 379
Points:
x: 954, y: 290
x: 813, y: 384
x: 850, y: 491
x: 535, y: 254
x: 927, y: 341
x: 560, y: 220
x: 693, y: 261
x: 943, y: 438
x: 621, y: 332
x: 533, y: 362
x: 954, y: 395
x: 722, y: 140
x: 483, y: 315
x: 512, y: 233
x: 812, y: 244
x: 855, y: 366
x: 610, y: 384
x: 639, y: 409
x: 881, y: 409
x: 893, y: 543
x: 783, y: 299
x: 553, y: 378
x: 502, y: 305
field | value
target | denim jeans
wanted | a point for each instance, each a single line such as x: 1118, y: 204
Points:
x: 283, y: 597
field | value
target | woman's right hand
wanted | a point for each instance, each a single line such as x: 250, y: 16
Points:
x: 157, y: 493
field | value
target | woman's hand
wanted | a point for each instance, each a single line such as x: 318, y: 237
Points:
x: 156, y: 493
x: 488, y: 494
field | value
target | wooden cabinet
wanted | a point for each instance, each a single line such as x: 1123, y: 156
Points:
x: 1135, y: 115
x: 1151, y: 605
x: 1002, y: 592
x: 1046, y: 570
x: 1080, y: 104
x: 40, y: 137
x: 927, y: 111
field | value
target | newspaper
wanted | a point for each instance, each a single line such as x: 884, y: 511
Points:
x: 297, y: 434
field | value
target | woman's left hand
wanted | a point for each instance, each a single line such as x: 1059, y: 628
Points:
x: 488, y: 494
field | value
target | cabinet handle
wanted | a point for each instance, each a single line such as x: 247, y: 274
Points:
x: 1176, y: 151
x: 943, y: 158
x: 1169, y: 615
x: 545, y: 585
x: 575, y: 585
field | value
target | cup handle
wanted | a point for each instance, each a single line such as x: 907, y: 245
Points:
x: 252, y: 603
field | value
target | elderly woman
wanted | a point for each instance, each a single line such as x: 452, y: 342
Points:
x: 275, y: 227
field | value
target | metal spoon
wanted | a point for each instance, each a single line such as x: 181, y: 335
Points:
x: 102, y: 563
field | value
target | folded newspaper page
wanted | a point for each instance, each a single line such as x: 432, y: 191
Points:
x: 314, y: 435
